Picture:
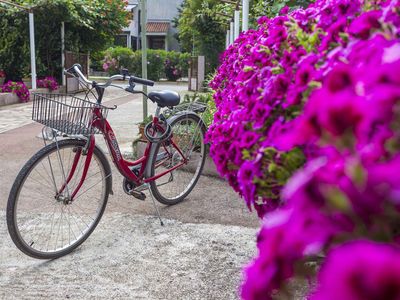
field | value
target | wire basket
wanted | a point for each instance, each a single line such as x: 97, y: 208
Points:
x: 65, y: 113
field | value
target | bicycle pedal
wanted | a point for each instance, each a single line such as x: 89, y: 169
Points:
x: 137, y: 195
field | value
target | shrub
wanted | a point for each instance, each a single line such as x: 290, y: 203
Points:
x: 97, y: 60
x: 178, y: 63
x: 117, y: 58
x: 205, y: 98
x: 18, y: 88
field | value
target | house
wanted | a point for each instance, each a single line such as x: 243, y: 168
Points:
x: 160, y: 30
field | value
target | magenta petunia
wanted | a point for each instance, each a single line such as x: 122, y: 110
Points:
x: 269, y: 74
x: 364, y: 24
x: 360, y: 270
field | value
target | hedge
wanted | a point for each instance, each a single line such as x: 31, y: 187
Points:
x: 161, y: 64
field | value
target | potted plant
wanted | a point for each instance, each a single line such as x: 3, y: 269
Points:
x: 2, y: 77
x: 17, y: 88
x: 27, y: 82
x: 48, y: 82
x: 26, y: 76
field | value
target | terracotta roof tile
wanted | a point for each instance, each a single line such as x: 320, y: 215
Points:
x: 157, y: 27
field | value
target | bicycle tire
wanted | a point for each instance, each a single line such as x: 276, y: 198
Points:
x: 164, y: 195
x: 15, y: 216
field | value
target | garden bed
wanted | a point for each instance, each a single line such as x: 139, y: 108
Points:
x: 60, y: 90
x: 11, y: 98
x: 8, y: 98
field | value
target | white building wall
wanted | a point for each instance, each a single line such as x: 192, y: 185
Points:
x: 157, y: 10
x: 162, y: 9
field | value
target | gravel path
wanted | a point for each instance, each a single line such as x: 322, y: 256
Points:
x: 133, y: 257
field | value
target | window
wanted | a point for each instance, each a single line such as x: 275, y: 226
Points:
x: 134, y: 42
x: 121, y: 40
x: 157, y: 42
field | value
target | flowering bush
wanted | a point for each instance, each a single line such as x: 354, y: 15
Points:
x: 172, y: 71
x: 18, y: 88
x: 48, y: 82
x: 319, y: 87
x: 265, y: 78
x: 117, y: 57
x: 361, y: 270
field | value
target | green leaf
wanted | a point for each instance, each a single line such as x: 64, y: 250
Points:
x: 338, y: 200
x: 272, y: 167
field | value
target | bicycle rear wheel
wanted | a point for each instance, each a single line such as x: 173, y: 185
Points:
x: 41, y: 221
x: 188, y: 134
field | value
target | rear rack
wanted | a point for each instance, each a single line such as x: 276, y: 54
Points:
x: 197, y: 107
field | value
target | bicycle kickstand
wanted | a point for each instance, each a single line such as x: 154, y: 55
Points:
x: 155, y: 204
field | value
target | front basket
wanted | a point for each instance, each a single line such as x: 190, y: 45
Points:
x: 66, y: 113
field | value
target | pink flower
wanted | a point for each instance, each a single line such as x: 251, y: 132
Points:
x: 360, y: 270
x: 365, y: 23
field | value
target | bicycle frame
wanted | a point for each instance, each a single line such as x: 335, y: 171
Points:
x: 120, y: 163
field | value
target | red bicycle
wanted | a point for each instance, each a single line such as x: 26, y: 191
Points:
x: 59, y: 196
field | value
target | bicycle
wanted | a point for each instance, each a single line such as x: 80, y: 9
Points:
x: 60, y: 194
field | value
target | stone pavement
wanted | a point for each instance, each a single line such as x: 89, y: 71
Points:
x: 133, y: 257
x: 14, y: 116
x: 197, y: 255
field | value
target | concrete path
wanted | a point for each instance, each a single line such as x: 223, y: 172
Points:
x: 17, y: 115
x: 197, y: 255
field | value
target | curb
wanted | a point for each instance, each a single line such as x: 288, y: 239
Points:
x: 8, y: 98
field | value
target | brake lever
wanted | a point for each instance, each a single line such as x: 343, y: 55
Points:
x: 130, y: 89
x: 124, y: 73
x: 70, y: 74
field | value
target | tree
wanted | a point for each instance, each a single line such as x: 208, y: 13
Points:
x: 271, y: 8
x: 90, y: 26
x: 14, y: 50
x: 200, y: 30
x: 202, y: 24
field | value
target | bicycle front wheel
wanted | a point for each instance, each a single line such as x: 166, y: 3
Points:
x: 188, y: 134
x: 41, y: 221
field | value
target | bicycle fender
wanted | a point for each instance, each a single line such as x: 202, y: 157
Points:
x: 106, y: 161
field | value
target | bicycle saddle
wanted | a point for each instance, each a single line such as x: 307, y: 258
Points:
x: 165, y: 98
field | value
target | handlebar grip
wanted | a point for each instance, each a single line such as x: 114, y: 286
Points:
x: 142, y: 81
x: 72, y: 69
x: 78, y: 66
x: 78, y: 70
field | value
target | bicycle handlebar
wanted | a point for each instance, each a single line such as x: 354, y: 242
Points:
x: 76, y: 68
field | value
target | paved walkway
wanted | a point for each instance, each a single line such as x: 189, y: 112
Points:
x: 17, y: 115
x: 197, y: 255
